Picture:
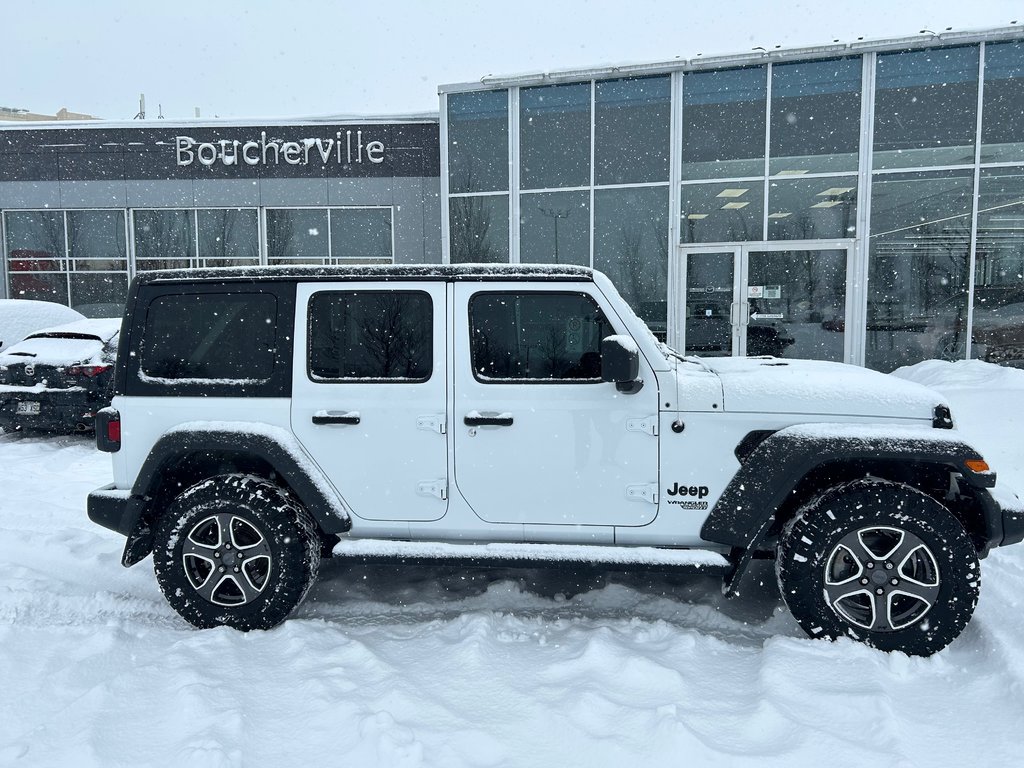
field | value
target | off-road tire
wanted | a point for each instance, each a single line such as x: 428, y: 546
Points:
x: 917, y: 599
x: 276, y: 552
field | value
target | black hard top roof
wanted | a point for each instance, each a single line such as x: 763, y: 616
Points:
x: 442, y: 272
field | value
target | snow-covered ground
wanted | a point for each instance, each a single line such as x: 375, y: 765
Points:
x: 439, y: 667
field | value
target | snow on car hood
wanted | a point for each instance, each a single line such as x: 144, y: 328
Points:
x: 774, y: 385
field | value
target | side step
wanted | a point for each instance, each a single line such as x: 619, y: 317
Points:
x: 536, y: 555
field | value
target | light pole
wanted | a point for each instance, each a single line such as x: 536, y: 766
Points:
x: 555, y: 214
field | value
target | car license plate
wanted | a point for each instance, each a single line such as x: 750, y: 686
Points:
x: 28, y: 408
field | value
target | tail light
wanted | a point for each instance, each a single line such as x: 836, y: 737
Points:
x: 108, y: 430
x: 89, y: 371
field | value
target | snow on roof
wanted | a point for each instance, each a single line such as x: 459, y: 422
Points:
x: 19, y: 317
x: 378, y: 272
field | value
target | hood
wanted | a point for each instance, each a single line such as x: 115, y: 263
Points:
x: 813, y: 387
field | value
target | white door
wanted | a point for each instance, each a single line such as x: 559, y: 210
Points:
x: 368, y: 396
x: 539, y: 438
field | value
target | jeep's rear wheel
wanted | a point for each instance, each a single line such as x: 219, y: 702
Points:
x: 235, y: 550
x: 881, y: 563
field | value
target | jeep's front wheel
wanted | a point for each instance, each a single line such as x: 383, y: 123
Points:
x: 235, y: 550
x: 881, y: 563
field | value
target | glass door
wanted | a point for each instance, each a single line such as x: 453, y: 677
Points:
x: 796, y: 303
x: 779, y: 299
x: 710, y: 310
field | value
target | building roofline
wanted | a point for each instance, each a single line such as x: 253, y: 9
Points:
x: 757, y: 56
x: 418, y: 118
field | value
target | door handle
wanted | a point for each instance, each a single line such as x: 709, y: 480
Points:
x: 336, y: 417
x: 477, y: 419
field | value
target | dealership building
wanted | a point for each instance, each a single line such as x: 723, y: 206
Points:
x: 859, y: 202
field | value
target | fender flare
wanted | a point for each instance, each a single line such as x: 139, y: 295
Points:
x: 742, y: 517
x: 275, y: 446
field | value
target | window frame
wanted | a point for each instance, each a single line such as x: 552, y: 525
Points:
x: 315, y: 379
x: 142, y: 296
x: 470, y: 326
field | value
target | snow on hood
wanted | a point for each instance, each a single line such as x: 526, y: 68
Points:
x: 79, y: 342
x: 774, y: 385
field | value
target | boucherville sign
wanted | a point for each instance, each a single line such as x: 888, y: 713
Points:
x: 345, y: 148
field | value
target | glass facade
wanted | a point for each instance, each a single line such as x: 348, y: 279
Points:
x: 82, y: 257
x: 631, y: 247
x: 926, y: 107
x: 631, y: 136
x: 815, y: 117
x: 723, y: 212
x: 554, y: 228
x: 71, y: 257
x: 816, y: 208
x: 554, y: 136
x: 591, y: 182
x: 876, y: 199
x: 479, y: 231
x: 724, y: 123
x: 1001, y: 138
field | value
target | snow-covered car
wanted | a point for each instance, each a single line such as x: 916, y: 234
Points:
x: 522, y: 414
x: 57, y: 378
x: 19, y: 317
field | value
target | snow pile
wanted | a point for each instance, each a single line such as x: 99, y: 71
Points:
x: 988, y: 408
x: 410, y: 666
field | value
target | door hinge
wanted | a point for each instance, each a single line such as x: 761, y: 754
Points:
x: 646, y: 492
x: 433, y: 423
x: 435, y: 488
x: 648, y: 425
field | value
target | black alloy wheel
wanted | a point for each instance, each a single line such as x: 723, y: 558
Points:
x: 882, y: 563
x: 235, y: 550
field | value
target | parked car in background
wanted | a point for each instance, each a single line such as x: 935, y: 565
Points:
x: 57, y: 378
x: 20, y: 317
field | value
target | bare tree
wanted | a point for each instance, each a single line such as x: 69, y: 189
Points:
x: 470, y: 230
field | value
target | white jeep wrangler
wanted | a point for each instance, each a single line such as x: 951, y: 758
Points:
x: 491, y: 414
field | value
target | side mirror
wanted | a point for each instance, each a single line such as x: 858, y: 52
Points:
x: 620, y: 363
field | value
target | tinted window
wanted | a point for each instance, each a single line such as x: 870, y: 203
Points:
x: 1002, y: 135
x: 479, y: 229
x: 210, y: 336
x: 164, y: 239
x: 631, y: 130
x: 815, y: 116
x: 919, y: 265
x: 926, y: 106
x: 370, y: 335
x: 631, y: 247
x: 478, y: 141
x: 724, y: 123
x: 536, y: 336
x: 554, y: 136
x: 554, y: 228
